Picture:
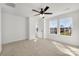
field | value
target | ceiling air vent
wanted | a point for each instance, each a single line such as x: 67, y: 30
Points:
x: 11, y: 5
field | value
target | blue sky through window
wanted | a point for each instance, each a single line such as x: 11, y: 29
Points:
x: 53, y: 23
x: 64, y: 22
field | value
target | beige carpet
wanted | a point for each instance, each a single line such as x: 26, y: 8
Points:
x: 33, y: 48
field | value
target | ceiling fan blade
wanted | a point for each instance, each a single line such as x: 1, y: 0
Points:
x: 36, y: 14
x: 46, y: 8
x: 35, y: 10
x: 48, y: 13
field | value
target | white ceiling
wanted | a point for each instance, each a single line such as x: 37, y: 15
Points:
x: 25, y: 9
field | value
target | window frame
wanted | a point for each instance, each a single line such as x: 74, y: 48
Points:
x: 58, y: 25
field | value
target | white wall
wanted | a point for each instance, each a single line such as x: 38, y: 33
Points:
x: 74, y: 39
x: 14, y: 28
x: 0, y: 30
x: 27, y: 27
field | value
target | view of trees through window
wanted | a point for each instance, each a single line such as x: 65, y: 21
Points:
x: 65, y: 26
x: 53, y: 26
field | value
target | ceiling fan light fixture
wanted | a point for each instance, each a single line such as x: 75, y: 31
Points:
x: 42, y: 15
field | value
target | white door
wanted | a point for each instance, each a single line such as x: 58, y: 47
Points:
x: 41, y: 28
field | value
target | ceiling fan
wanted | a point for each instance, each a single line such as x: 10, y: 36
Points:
x: 42, y: 11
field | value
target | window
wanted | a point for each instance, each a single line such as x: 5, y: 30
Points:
x: 53, y: 26
x: 66, y: 26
